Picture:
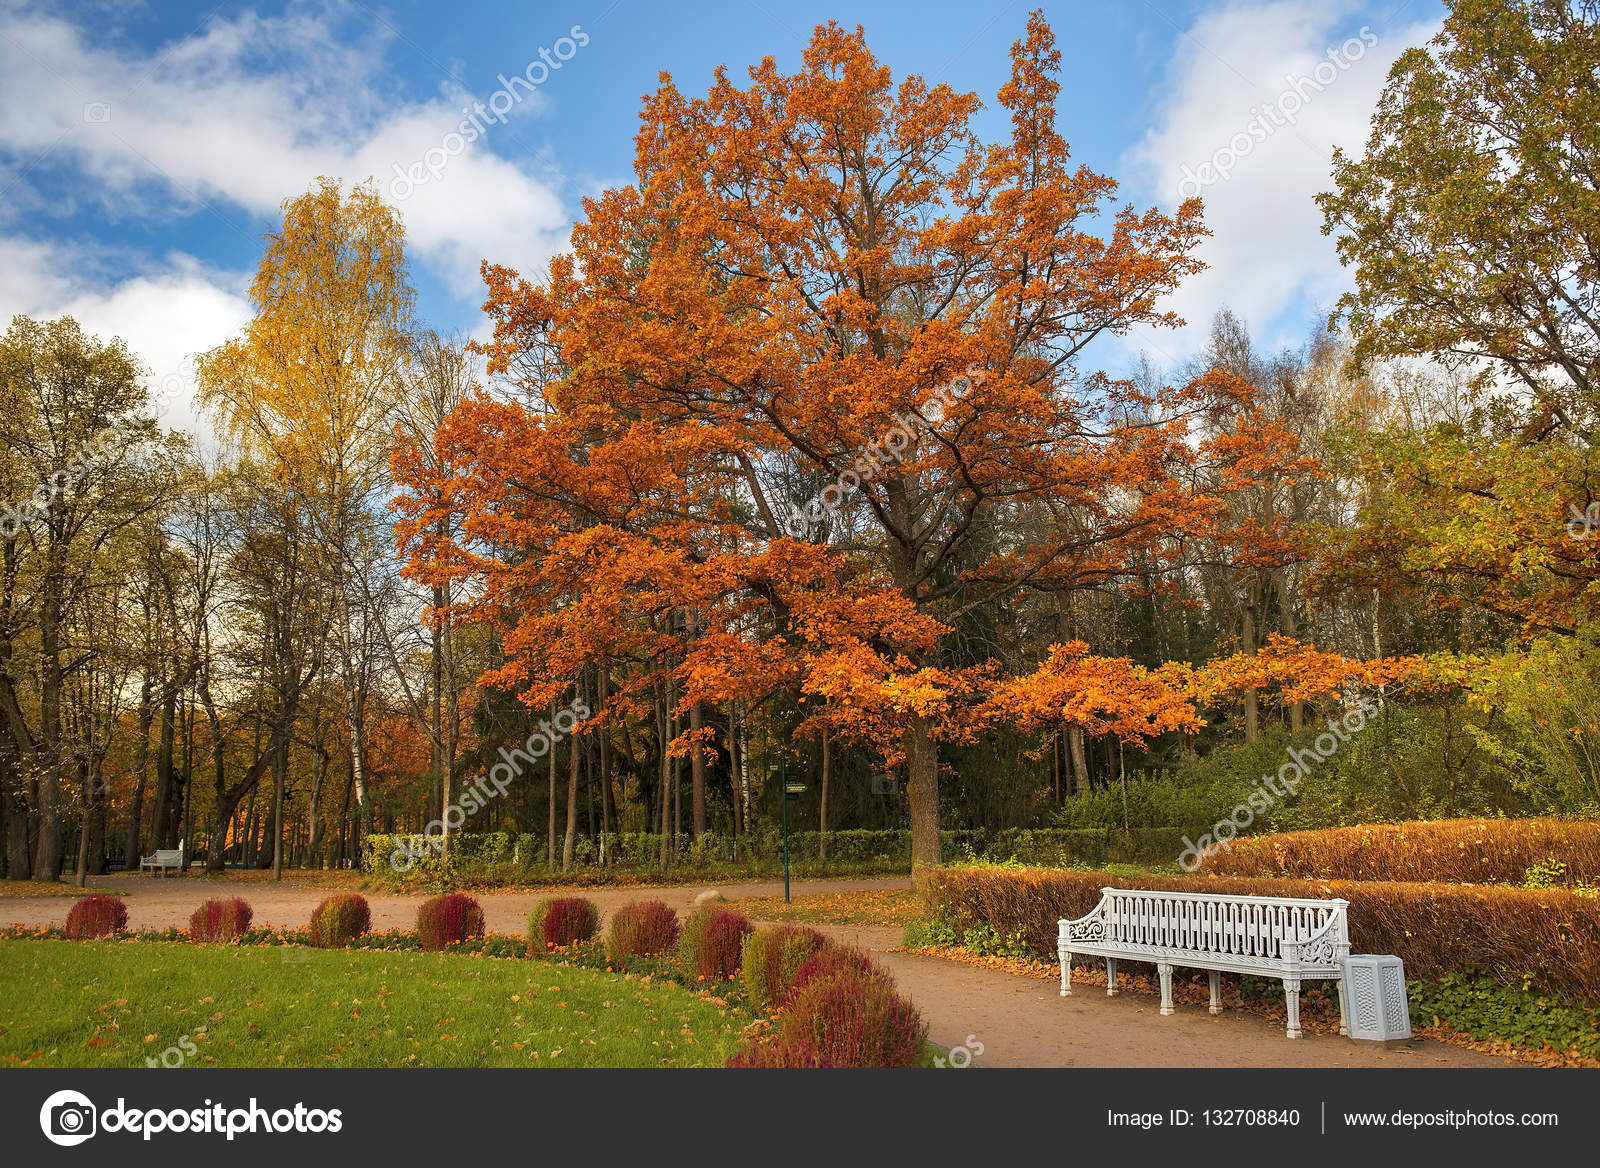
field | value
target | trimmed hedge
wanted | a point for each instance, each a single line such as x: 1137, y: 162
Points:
x: 503, y: 855
x: 1546, y: 939
x: 1450, y: 850
x: 770, y: 959
x: 221, y: 918
x: 340, y: 919
x: 96, y: 915
x: 559, y: 921
x: 448, y: 920
x: 711, y: 945
x: 643, y: 928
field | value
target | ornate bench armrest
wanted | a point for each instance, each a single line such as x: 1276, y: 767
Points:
x: 1089, y: 927
x: 1321, y: 948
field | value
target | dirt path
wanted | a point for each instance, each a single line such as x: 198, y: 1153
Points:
x: 1025, y: 1022
x: 1021, y: 1021
x: 156, y: 902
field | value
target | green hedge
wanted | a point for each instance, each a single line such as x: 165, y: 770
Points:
x: 507, y: 854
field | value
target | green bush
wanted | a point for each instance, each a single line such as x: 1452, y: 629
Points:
x: 711, y: 944
x: 340, y: 919
x: 771, y: 957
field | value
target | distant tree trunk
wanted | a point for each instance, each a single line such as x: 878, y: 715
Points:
x: 141, y: 766
x: 922, y: 767
x: 280, y: 777
x: 822, y: 814
x: 14, y: 796
x: 572, y: 801
x: 550, y: 847
x: 1252, y: 709
x: 735, y: 760
x: 163, y: 827
x: 1286, y: 625
x: 608, y: 808
x: 697, y: 773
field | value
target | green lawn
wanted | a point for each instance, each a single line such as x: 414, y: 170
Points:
x: 109, y: 1004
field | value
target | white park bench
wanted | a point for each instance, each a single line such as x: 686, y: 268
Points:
x: 1270, y: 936
x: 164, y: 858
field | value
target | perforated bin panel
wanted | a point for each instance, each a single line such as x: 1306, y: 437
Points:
x: 1374, y: 988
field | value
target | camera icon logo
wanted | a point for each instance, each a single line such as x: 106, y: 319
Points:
x: 96, y: 111
x: 67, y: 1118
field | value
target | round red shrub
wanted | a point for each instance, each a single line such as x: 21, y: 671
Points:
x: 448, y: 920
x: 561, y: 921
x: 641, y: 929
x: 97, y: 915
x: 340, y: 919
x: 854, y: 1021
x: 221, y: 918
x: 830, y: 961
x: 775, y: 1054
x: 722, y: 944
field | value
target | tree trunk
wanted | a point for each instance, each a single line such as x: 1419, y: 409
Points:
x: 735, y: 760
x: 141, y: 766
x: 922, y: 765
x: 550, y: 847
x: 697, y: 773
x: 1252, y: 708
x: 1080, y: 762
x: 608, y: 807
x: 572, y: 802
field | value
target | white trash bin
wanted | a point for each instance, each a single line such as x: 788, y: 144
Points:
x: 1374, y: 989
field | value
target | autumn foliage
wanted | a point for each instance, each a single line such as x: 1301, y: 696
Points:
x: 448, y: 919
x: 1499, y: 851
x: 220, y: 919
x: 340, y: 919
x: 96, y: 915
x: 644, y: 928
x: 802, y: 269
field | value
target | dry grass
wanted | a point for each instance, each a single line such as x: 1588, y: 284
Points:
x: 18, y: 888
x: 880, y: 906
x: 1548, y: 940
x: 1471, y: 851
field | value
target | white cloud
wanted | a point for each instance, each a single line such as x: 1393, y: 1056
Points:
x: 166, y: 311
x: 246, y: 113
x: 1267, y: 253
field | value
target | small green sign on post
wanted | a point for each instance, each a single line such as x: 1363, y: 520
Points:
x: 795, y: 789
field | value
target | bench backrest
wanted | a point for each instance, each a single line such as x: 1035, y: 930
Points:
x: 1243, y: 926
x: 168, y: 856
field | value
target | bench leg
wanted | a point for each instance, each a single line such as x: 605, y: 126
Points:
x: 1291, y: 1000
x: 1216, y: 992
x: 1344, y: 1023
x: 1165, y: 972
x: 1111, y: 977
x: 1066, y: 973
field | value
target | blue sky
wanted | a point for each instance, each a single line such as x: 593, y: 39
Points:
x: 145, y: 149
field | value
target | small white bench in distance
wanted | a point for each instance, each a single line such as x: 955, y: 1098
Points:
x: 1270, y: 936
x: 163, y: 859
